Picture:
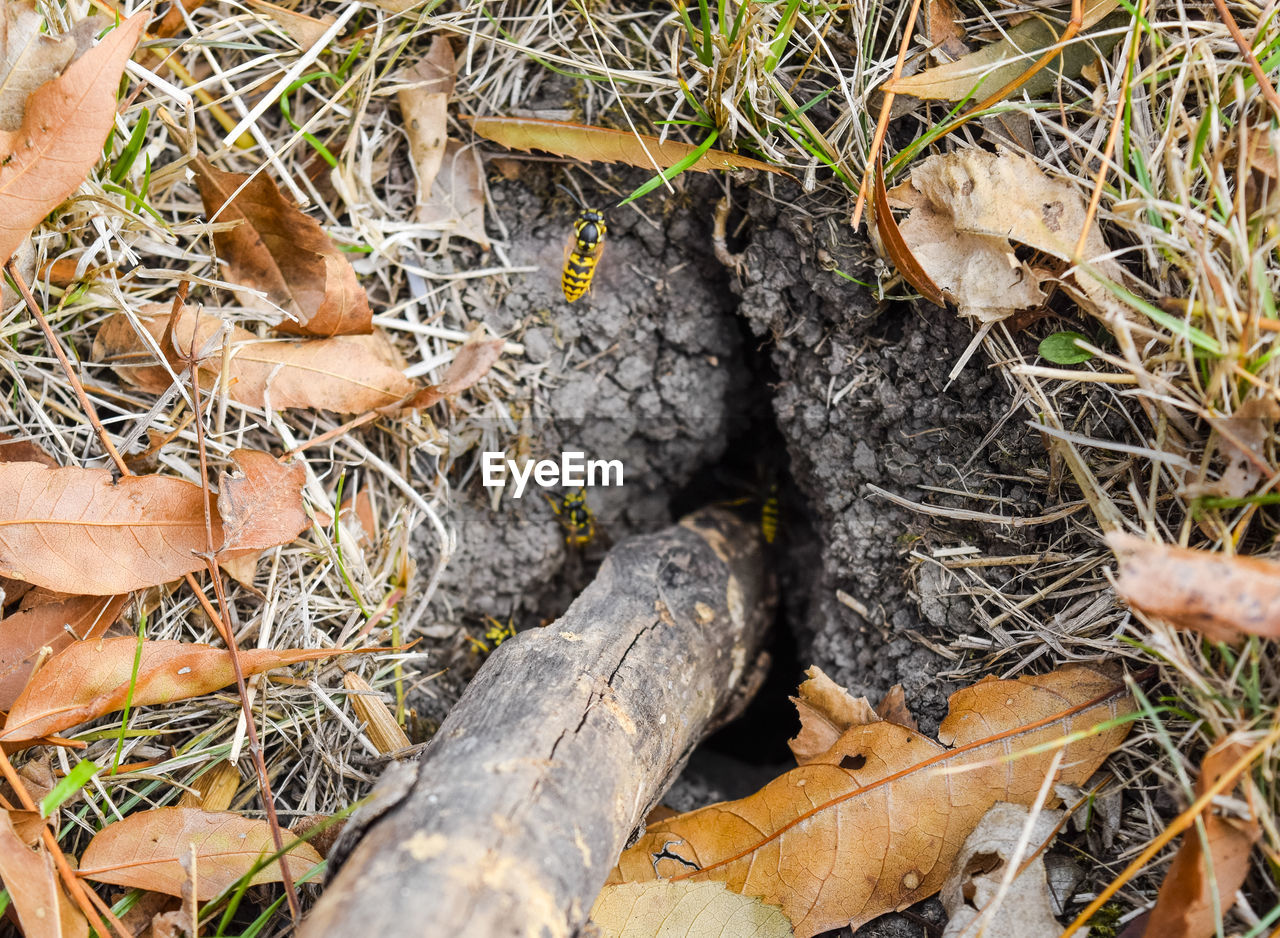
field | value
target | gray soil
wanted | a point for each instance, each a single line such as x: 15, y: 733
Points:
x: 662, y: 364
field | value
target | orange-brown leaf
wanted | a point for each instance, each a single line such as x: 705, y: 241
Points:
x: 261, y: 502
x: 76, y: 530
x: 875, y: 823
x: 424, y: 106
x: 1216, y: 594
x: 60, y: 140
x: 605, y: 145
x: 143, y: 851
x: 284, y: 253
x: 826, y: 710
x: 89, y: 679
x: 345, y: 374
x: 1184, y: 907
x: 32, y: 882
x: 896, y: 247
x: 48, y: 620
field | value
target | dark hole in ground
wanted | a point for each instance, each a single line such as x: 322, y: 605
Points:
x: 754, y: 471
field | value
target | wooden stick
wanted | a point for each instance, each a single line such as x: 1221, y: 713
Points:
x: 561, y: 744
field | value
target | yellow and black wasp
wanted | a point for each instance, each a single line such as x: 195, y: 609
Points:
x: 575, y: 517
x: 584, y: 253
x: 769, y: 511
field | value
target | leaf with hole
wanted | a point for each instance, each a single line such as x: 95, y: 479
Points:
x: 875, y: 823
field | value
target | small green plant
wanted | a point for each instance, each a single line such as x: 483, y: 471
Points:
x: 1062, y: 348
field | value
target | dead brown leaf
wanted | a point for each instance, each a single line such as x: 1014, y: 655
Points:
x: 78, y: 530
x: 471, y: 363
x: 283, y: 252
x: 51, y: 621
x: 662, y: 909
x: 143, y: 851
x: 88, y: 679
x: 456, y: 203
x: 940, y: 18
x: 424, y: 107
x: 875, y: 824
x: 345, y: 374
x: 984, y: 72
x: 1241, y: 440
x: 969, y: 204
x: 261, y: 501
x: 32, y: 883
x: 60, y: 139
x: 606, y: 145
x: 826, y: 710
x: 1216, y: 594
x: 1185, y: 905
x: 896, y: 248
x: 305, y: 30
x: 13, y: 450
x: 894, y: 708
x: 28, y: 58
x: 214, y: 789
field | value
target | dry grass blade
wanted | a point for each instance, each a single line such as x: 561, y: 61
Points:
x: 605, y: 145
x: 384, y: 732
x: 60, y: 139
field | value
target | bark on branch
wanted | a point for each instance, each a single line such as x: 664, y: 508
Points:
x: 560, y: 745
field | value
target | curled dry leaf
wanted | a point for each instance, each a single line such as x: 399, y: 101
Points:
x: 1216, y: 594
x: 213, y: 790
x: 968, y: 205
x: 261, y: 501
x: 875, y: 823
x: 424, y: 106
x: 661, y: 909
x: 48, y: 620
x: 345, y: 374
x: 984, y: 72
x: 456, y: 203
x: 89, y: 679
x: 1185, y: 906
x: 144, y: 851
x: 43, y: 909
x: 283, y: 252
x: 893, y: 245
x: 826, y: 710
x: 1241, y: 439
x: 606, y: 145
x: 974, y: 884
x: 60, y: 139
